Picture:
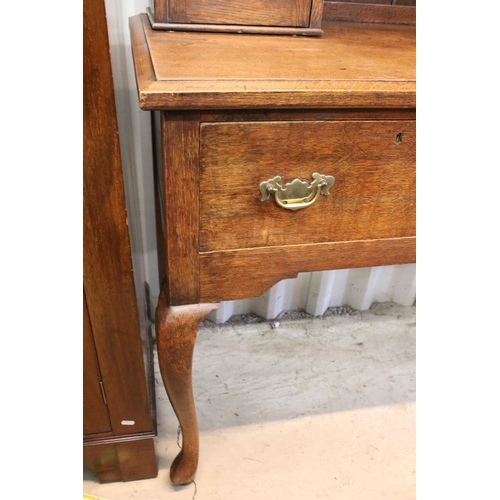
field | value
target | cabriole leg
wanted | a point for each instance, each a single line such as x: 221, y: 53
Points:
x: 176, y: 331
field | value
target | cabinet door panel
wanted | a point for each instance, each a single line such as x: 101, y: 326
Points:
x: 95, y: 412
x: 258, y: 12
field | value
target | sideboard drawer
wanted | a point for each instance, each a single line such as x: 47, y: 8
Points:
x: 373, y: 195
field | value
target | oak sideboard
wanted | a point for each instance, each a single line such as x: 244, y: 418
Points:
x: 274, y: 155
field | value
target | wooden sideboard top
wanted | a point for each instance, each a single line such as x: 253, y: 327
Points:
x: 352, y: 65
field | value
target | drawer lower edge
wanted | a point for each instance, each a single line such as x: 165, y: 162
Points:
x: 246, y: 273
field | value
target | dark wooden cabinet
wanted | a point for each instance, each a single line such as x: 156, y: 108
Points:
x: 118, y: 402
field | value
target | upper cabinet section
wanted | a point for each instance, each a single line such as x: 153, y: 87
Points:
x: 300, y: 17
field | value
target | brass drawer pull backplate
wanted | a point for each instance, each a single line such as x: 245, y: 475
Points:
x: 296, y: 194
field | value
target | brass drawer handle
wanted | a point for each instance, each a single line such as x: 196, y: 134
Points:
x: 296, y: 194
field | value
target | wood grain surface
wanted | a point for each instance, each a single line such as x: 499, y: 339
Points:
x: 369, y: 12
x: 308, y: 115
x: 121, y: 461
x: 241, y: 274
x: 412, y: 3
x: 240, y: 109
x: 232, y: 28
x: 180, y: 149
x: 95, y: 411
x: 373, y: 197
x: 257, y: 12
x: 279, y: 17
x: 316, y: 13
x: 159, y: 183
x: 372, y: 2
x: 242, y: 71
x: 177, y: 328
x: 107, y: 263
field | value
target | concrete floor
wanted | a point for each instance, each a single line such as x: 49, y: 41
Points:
x: 305, y: 408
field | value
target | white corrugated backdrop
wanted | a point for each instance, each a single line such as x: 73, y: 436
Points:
x: 316, y: 292
x: 312, y: 292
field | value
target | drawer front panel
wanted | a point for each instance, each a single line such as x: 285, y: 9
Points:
x: 373, y: 196
x: 259, y: 12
